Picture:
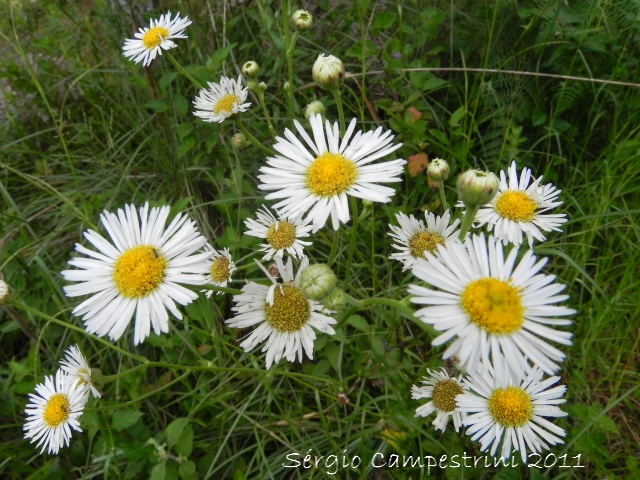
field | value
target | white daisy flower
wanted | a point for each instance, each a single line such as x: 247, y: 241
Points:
x: 414, y: 239
x: 139, y: 273
x: 282, y: 235
x: 76, y: 366
x: 283, y: 315
x: 442, y: 390
x: 519, y: 208
x: 318, y: 177
x: 490, y: 305
x: 220, y: 268
x: 508, y: 408
x: 220, y: 101
x: 54, y: 410
x: 150, y: 41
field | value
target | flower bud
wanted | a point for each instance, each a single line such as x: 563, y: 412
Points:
x: 317, y: 281
x: 301, y: 20
x: 328, y: 72
x: 250, y: 69
x: 438, y: 170
x: 262, y: 86
x: 476, y: 188
x: 5, y: 291
x: 336, y: 301
x: 314, y: 108
x: 239, y: 141
x: 252, y: 84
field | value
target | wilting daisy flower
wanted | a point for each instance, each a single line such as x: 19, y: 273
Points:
x: 442, y: 390
x: 76, y: 366
x: 220, y: 268
x: 319, y: 176
x: 519, y: 208
x: 490, y: 305
x: 283, y: 315
x: 54, y: 410
x: 150, y: 41
x: 282, y: 235
x: 138, y: 273
x: 414, y: 239
x: 508, y: 408
x: 220, y: 101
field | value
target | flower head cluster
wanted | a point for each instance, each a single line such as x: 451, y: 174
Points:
x: 221, y: 100
x: 220, y: 268
x: 59, y: 402
x: 285, y: 318
x: 442, y: 390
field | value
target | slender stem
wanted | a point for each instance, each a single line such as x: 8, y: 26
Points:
x: 182, y: 70
x: 467, y: 221
x: 233, y: 291
x: 70, y: 326
x: 443, y: 199
x: 253, y: 139
x: 337, y: 95
x: 288, y: 50
x: 370, y: 302
x: 354, y: 237
x: 290, y: 97
x: 265, y: 111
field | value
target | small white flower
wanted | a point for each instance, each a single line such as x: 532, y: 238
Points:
x: 220, y: 101
x: 319, y: 180
x: 519, y: 208
x: 492, y: 305
x: 54, y: 410
x: 509, y: 408
x: 76, y: 366
x: 282, y: 235
x: 139, y: 273
x: 284, y: 316
x: 150, y: 41
x: 414, y: 239
x: 220, y: 268
x: 442, y: 390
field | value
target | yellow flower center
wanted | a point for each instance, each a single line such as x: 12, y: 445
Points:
x: 57, y: 410
x: 494, y: 305
x: 290, y: 309
x: 444, y: 394
x: 139, y: 271
x: 154, y: 37
x: 422, y: 241
x: 281, y: 235
x: 511, y: 406
x: 226, y: 103
x: 331, y: 174
x: 516, y: 205
x: 220, y: 271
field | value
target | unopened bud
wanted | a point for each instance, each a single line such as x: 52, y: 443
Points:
x: 301, y: 20
x: 239, y: 141
x: 317, y: 281
x: 250, y: 69
x: 5, y: 291
x: 336, y: 301
x: 262, y: 86
x: 438, y: 170
x: 314, y: 108
x: 328, y: 72
x: 476, y: 188
x: 252, y: 84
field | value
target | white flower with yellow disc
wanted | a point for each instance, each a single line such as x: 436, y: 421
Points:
x: 221, y: 100
x: 441, y: 390
x: 139, y: 273
x: 282, y: 234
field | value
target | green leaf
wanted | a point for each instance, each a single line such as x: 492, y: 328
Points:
x: 175, y: 430
x: 187, y: 469
x: 123, y: 419
x: 384, y: 20
x: 332, y: 353
x: 158, y: 105
x: 158, y: 472
x: 359, y: 323
x: 185, y: 442
x: 216, y: 59
x: 454, y: 121
x: 180, y: 105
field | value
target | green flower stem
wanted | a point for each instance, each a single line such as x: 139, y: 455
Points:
x: 354, y: 237
x: 233, y: 291
x: 265, y: 111
x: 338, y: 96
x: 468, y: 219
x: 372, y: 302
x: 288, y: 46
x: 70, y: 326
x: 253, y: 139
x: 182, y: 70
x: 443, y: 199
